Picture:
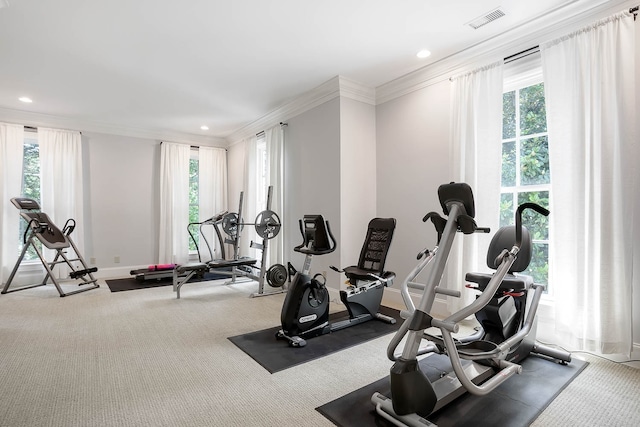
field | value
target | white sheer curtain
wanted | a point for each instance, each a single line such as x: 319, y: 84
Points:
x: 476, y: 134
x: 212, y: 190
x: 253, y: 169
x: 589, y: 88
x: 11, y: 152
x: 61, y: 181
x: 174, y: 203
x: 275, y: 151
x: 249, y: 208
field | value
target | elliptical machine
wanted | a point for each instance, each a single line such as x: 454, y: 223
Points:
x: 305, y: 312
x: 505, y: 308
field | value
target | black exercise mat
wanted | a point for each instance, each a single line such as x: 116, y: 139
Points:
x: 131, y: 283
x: 276, y: 355
x: 516, y: 402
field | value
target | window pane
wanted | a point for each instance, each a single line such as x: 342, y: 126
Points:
x: 194, y: 208
x: 539, y: 265
x: 31, y: 171
x: 30, y: 189
x: 506, y: 209
x: 534, y: 161
x: 533, y: 115
x: 509, y: 164
x: 509, y: 115
x: 537, y: 224
x: 261, y: 175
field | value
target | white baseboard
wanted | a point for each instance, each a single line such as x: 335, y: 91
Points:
x: 116, y: 272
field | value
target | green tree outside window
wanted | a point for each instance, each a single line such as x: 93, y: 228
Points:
x: 194, y: 205
x: 525, y: 169
x: 30, y: 189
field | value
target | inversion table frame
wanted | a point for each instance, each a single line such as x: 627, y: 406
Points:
x: 41, y: 228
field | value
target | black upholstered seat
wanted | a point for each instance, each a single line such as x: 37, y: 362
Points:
x: 374, y: 251
x: 505, y: 239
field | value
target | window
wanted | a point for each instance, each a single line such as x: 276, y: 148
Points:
x: 261, y: 173
x: 194, y: 198
x: 30, y: 185
x: 525, y: 168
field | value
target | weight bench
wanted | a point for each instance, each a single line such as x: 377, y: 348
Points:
x: 182, y: 273
x: 41, y: 228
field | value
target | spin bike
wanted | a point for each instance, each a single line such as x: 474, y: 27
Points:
x: 505, y: 309
x: 305, y: 312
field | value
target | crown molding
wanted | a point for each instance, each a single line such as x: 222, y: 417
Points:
x: 311, y: 99
x: 544, y: 27
x: 356, y: 91
x: 332, y: 88
x: 45, y: 120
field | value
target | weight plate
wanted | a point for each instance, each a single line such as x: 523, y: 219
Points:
x: 277, y: 275
x: 267, y: 224
x: 230, y: 224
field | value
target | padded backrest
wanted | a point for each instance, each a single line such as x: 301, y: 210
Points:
x: 376, y: 245
x: 42, y: 226
x: 505, y: 238
x: 46, y: 231
x: 316, y: 235
x: 315, y: 231
x: 458, y: 192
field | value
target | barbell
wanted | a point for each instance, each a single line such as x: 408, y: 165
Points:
x: 267, y: 224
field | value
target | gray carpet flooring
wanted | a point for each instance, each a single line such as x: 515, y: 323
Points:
x: 145, y: 358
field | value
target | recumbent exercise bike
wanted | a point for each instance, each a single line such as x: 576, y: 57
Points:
x: 305, y: 312
x: 505, y: 309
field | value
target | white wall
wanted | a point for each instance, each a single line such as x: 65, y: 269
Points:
x: 312, y: 181
x: 121, y: 201
x: 235, y: 175
x: 357, y: 176
x: 412, y: 161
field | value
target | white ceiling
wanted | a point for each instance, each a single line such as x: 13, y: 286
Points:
x: 174, y: 65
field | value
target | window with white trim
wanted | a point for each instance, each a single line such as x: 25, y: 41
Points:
x: 525, y: 165
x: 194, y: 198
x: 261, y: 173
x: 30, y: 185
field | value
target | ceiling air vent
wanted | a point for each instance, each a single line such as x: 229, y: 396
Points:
x: 486, y: 18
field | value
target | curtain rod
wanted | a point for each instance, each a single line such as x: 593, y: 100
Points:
x: 522, y: 54
x: 516, y: 56
x: 282, y: 124
x: 197, y: 147
x: 634, y: 11
x: 35, y: 129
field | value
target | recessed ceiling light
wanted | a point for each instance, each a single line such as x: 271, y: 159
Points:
x: 423, y: 54
x: 204, y: 127
x: 25, y: 99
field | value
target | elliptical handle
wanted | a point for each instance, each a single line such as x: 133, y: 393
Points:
x: 522, y: 208
x: 438, y: 222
